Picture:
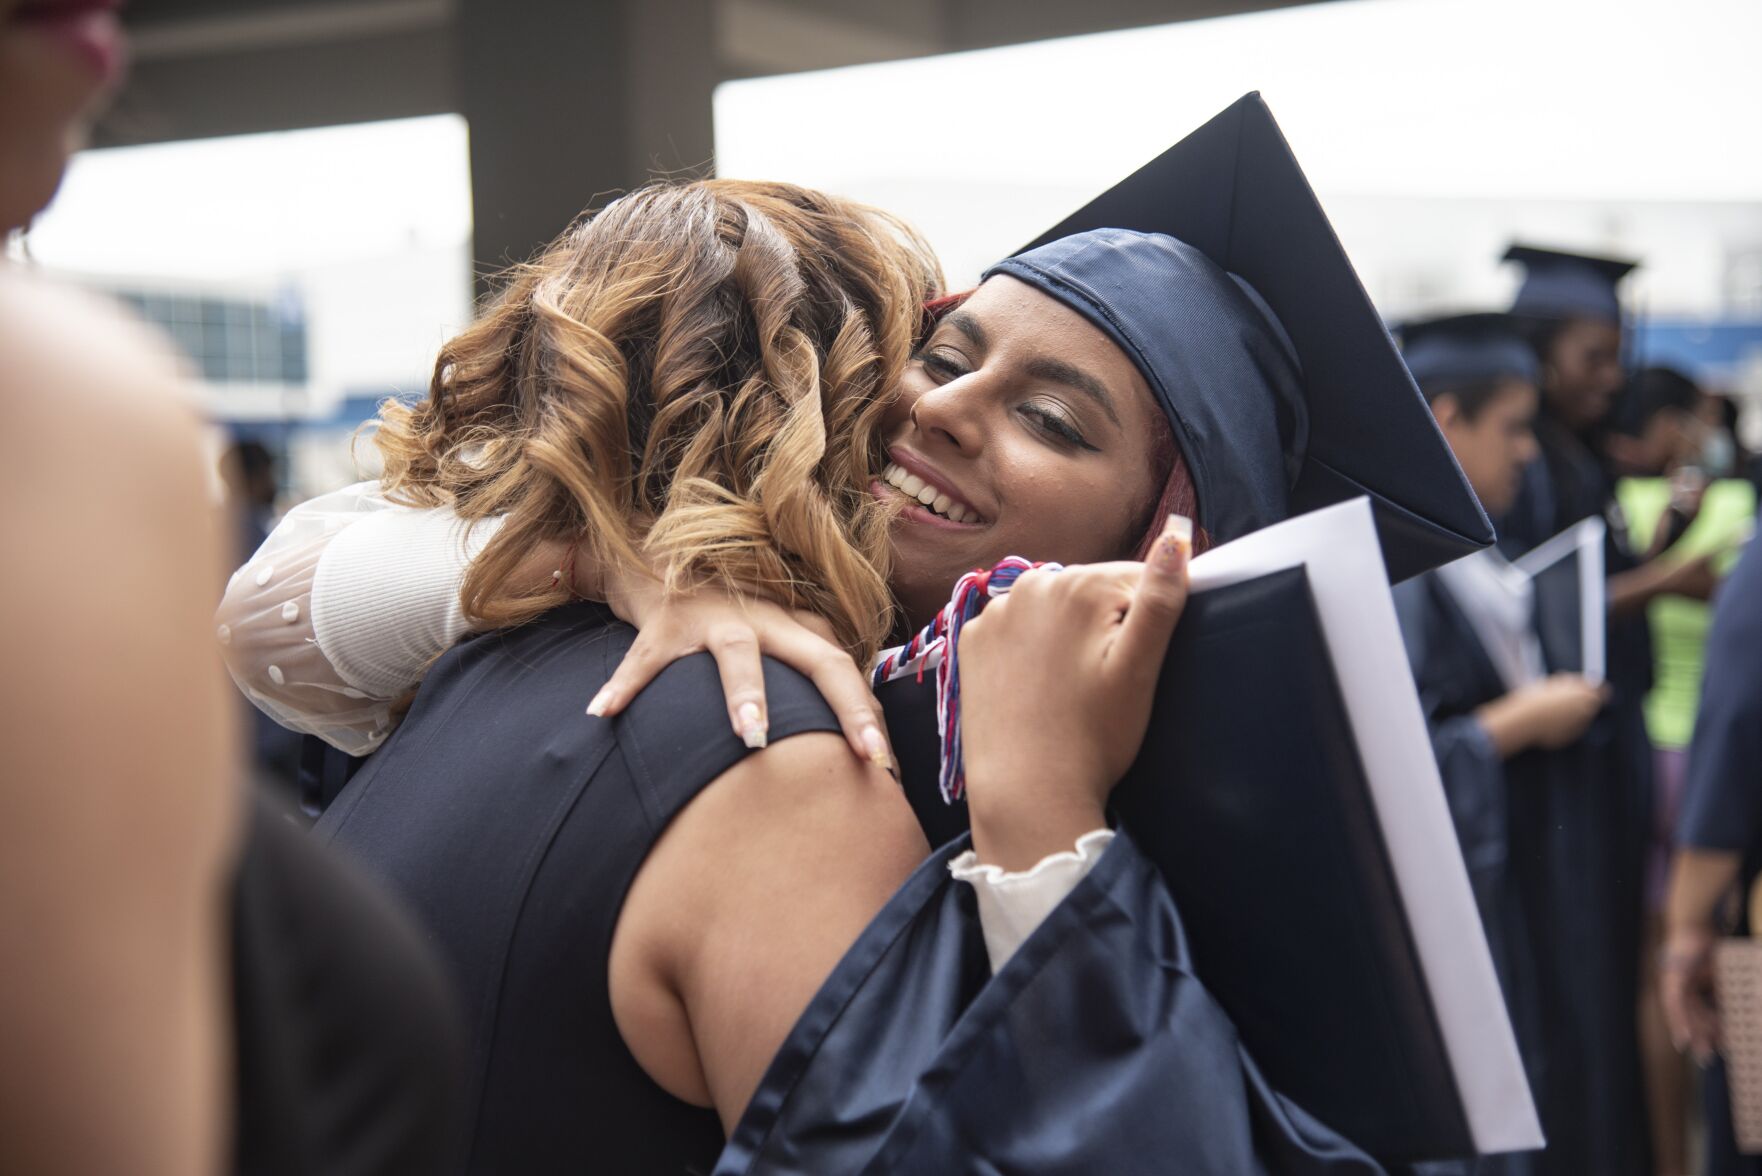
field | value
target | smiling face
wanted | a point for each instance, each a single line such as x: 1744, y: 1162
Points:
x: 1022, y: 430
x: 1583, y: 372
x: 58, y: 58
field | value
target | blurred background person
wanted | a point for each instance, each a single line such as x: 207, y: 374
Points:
x: 251, y: 475
x: 1654, y: 430
x: 1722, y: 453
x: 1720, y: 839
x: 1653, y: 444
x: 1571, y: 312
x: 1500, y: 721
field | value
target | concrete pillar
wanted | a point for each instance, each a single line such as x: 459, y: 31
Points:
x: 571, y: 102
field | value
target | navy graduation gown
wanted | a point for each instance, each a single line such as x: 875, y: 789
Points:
x: 1565, y: 484
x: 1094, y: 1050
x: 1722, y: 800
x: 1536, y: 840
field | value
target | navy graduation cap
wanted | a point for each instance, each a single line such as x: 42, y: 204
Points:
x: 1214, y: 268
x: 1461, y: 349
x: 1560, y: 285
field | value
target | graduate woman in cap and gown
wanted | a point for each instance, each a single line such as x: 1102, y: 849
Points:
x: 1503, y: 726
x: 1056, y: 413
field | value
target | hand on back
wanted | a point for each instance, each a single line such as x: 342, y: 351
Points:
x: 737, y: 631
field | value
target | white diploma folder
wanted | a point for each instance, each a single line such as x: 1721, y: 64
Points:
x: 1338, y: 550
x: 1582, y: 545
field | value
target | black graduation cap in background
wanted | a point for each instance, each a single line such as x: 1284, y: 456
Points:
x: 1462, y: 348
x: 1561, y: 285
x: 1233, y: 191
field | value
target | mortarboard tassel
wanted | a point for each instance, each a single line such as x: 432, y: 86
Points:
x: 936, y: 647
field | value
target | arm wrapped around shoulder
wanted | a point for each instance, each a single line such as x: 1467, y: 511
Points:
x: 342, y: 609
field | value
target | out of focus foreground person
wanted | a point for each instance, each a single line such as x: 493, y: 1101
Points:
x: 186, y: 990
x: 117, y: 803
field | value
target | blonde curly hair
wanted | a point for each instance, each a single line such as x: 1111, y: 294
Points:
x: 692, y: 380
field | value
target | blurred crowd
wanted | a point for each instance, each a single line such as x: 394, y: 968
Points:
x: 1575, y: 739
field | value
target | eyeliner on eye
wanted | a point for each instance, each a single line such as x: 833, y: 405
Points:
x: 941, y: 365
x: 1059, y: 428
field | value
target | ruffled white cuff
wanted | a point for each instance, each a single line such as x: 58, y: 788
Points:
x: 1011, y: 906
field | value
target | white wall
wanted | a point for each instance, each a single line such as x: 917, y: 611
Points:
x: 376, y: 323
x: 1431, y: 129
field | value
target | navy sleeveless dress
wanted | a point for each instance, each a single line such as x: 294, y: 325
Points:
x: 512, y: 826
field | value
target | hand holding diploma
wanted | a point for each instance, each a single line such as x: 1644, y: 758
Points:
x: 1057, y: 681
x: 1551, y: 713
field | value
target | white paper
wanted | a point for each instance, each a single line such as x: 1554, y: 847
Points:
x: 1585, y: 539
x: 1338, y: 547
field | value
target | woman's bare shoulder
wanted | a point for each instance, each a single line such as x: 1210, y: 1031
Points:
x: 747, y: 902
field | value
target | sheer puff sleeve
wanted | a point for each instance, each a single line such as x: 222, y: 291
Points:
x: 341, y: 610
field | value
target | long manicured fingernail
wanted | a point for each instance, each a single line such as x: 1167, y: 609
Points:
x: 1175, y: 545
x: 877, y: 749
x: 752, y: 725
x: 602, y: 700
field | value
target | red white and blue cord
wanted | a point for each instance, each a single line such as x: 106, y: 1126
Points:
x: 936, y: 647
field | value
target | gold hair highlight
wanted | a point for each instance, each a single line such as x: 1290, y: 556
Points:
x: 693, y: 380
